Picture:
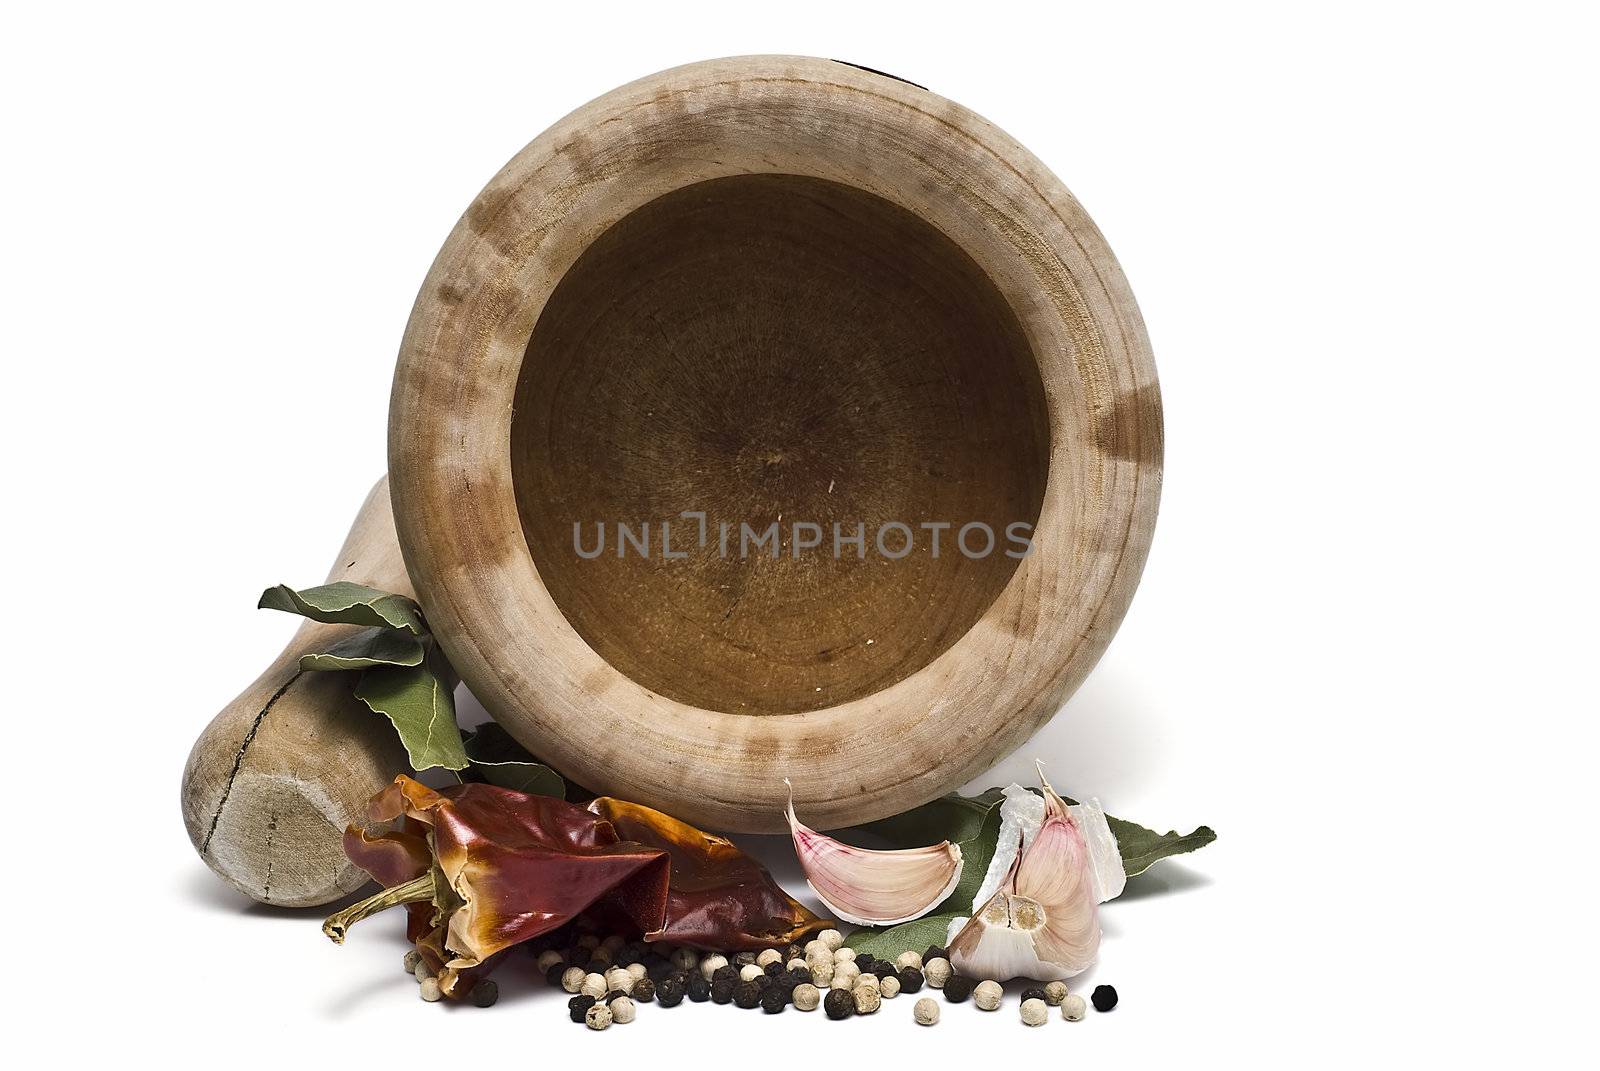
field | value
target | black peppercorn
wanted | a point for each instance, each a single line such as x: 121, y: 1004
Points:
x: 633, y: 952
x: 657, y: 968
x: 865, y: 960
x: 746, y: 995
x: 773, y: 969
x: 644, y: 990
x: 697, y: 989
x: 1104, y: 998
x: 614, y: 994
x: 1034, y: 992
x: 744, y: 959
x: 910, y: 979
x: 794, y: 978
x: 882, y: 968
x: 935, y: 952
x: 773, y: 1000
x: 553, y: 975
x: 839, y: 1004
x: 579, y: 1006
x: 721, y: 991
x: 669, y: 992
x: 957, y: 988
x: 485, y: 993
x: 727, y: 972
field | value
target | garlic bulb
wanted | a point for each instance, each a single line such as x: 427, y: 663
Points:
x: 872, y: 888
x: 1042, y: 922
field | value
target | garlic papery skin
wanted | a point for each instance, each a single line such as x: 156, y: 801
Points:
x: 874, y: 888
x: 1043, y: 922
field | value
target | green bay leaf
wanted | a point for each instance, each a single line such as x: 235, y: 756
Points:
x: 419, y: 701
x: 1140, y: 847
x: 500, y: 760
x: 344, y: 603
x: 370, y: 647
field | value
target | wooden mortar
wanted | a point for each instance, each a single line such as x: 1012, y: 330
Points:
x: 773, y: 288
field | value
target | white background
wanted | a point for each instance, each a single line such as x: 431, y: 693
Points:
x: 1364, y: 240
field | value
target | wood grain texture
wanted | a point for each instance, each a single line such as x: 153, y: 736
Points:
x: 680, y: 291
x: 273, y: 781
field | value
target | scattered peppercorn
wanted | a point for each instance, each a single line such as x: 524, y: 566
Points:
x: 711, y: 964
x: 744, y: 958
x: 910, y: 979
x: 773, y: 1001
x: 613, y: 995
x: 594, y: 985
x: 927, y: 1011
x: 831, y: 937
x: 865, y: 960
x: 987, y: 994
x: 644, y: 990
x: 658, y: 967
x: 839, y: 1004
x: 413, y: 958
x: 773, y: 968
x: 1104, y: 998
x: 806, y: 997
x: 883, y: 968
x: 622, y: 1009
x: 430, y: 990
x: 669, y: 992
x: 1055, y: 993
x: 907, y: 959
x: 578, y: 1005
x: 485, y: 993
x: 1035, y: 1012
x: 685, y: 959
x: 422, y: 972
x: 1033, y: 992
x: 889, y: 986
x: 697, y: 989
x: 867, y: 998
x: 768, y: 956
x: 727, y: 972
x: 958, y: 987
x: 936, y: 971
x: 1072, y: 1008
x: 597, y: 1017
x: 750, y: 972
x: 549, y: 958
x: 721, y: 991
x: 796, y: 976
x: 572, y: 979
x: 746, y: 995
x: 555, y: 973
x: 935, y: 952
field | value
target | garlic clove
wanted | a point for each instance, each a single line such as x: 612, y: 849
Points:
x: 874, y: 888
x: 1043, y: 920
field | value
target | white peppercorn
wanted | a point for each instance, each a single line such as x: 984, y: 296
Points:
x: 768, y: 955
x: 831, y: 938
x: 572, y: 979
x: 870, y: 980
x: 413, y: 958
x: 685, y: 959
x: 711, y: 964
x: 908, y: 959
x: 422, y: 972
x: 637, y: 970
x: 594, y: 985
x: 845, y: 975
x: 597, y: 1017
x: 797, y: 964
x: 619, y: 979
x: 822, y: 974
x: 867, y: 999
x: 1055, y: 993
x: 815, y: 947
x: 844, y: 955
x: 549, y: 958
x: 430, y: 990
x: 622, y: 1010
x: 1073, y: 1008
x: 927, y: 1011
x: 750, y: 972
x: 889, y: 986
x: 1034, y: 1011
x: 806, y: 997
x: 987, y: 994
x: 936, y: 971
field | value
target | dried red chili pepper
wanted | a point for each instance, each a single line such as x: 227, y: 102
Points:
x: 718, y: 897
x: 482, y: 869
x: 485, y: 868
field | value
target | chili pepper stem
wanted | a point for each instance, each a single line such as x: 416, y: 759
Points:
x: 410, y: 892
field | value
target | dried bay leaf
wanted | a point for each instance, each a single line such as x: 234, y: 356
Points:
x: 344, y: 603
x: 500, y: 760
x: 370, y: 647
x: 420, y: 702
